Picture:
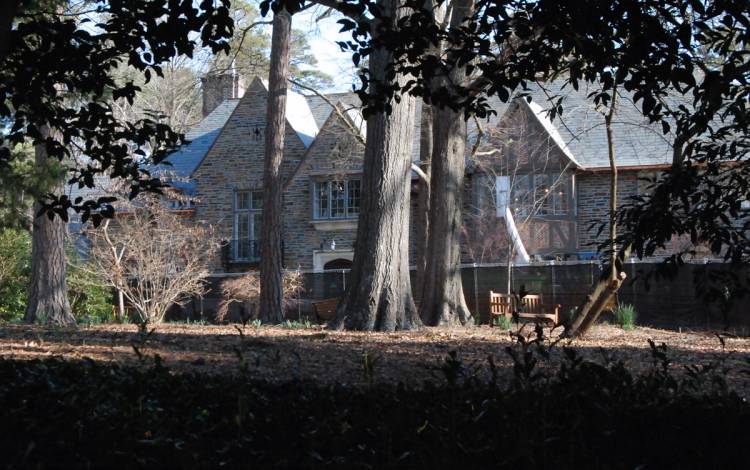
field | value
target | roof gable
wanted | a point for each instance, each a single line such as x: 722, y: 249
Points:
x: 201, y: 137
x: 330, y: 129
x: 298, y: 113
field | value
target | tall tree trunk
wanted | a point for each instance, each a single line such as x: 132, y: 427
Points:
x: 379, y: 296
x: 443, y: 301
x: 271, y: 288
x: 48, y: 291
x: 421, y: 220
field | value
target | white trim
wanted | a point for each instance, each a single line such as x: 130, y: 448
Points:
x: 333, y: 225
x: 321, y: 257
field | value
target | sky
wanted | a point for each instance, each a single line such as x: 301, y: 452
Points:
x: 322, y: 37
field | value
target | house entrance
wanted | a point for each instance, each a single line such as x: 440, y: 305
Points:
x: 332, y: 259
x: 338, y: 263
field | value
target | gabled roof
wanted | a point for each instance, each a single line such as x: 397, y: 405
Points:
x: 298, y: 113
x: 352, y: 117
x: 580, y: 133
x: 201, y: 136
x: 549, y: 127
x: 582, y: 129
x: 320, y: 108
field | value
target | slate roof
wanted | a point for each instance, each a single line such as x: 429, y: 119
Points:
x: 321, y: 109
x: 201, y: 136
x: 581, y: 131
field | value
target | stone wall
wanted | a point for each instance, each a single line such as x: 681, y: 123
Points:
x: 235, y: 162
x: 593, y: 190
x: 333, y: 154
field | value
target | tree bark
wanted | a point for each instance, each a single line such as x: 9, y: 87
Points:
x: 379, y: 296
x: 421, y: 219
x: 601, y: 295
x: 48, y: 290
x: 271, y: 283
x: 610, y: 282
x: 443, y: 301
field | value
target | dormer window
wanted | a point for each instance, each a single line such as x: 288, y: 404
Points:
x: 336, y: 199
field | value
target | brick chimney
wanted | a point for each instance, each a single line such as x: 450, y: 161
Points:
x: 218, y: 87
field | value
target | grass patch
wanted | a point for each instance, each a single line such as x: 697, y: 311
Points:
x: 625, y: 316
x: 503, y: 322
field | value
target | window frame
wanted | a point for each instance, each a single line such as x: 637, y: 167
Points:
x: 527, y: 189
x: 341, y: 203
x: 251, y: 211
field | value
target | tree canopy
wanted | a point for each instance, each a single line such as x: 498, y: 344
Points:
x: 56, y: 70
x: 686, y: 65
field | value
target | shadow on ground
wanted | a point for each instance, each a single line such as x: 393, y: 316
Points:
x: 279, y: 354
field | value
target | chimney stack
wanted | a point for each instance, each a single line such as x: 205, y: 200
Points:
x: 218, y: 87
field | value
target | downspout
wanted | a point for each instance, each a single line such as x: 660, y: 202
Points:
x: 502, y: 198
x: 521, y: 256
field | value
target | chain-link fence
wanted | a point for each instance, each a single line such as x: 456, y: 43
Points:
x: 669, y: 303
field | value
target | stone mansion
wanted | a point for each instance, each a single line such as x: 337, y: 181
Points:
x: 552, y: 176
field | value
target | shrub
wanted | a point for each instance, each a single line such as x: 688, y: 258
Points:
x: 15, y: 269
x: 246, y: 290
x: 153, y: 255
x: 297, y: 325
x: 625, y: 316
x: 90, y: 300
x: 570, y: 315
x: 582, y: 414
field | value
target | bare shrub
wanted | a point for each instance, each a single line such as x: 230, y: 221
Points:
x: 153, y: 256
x: 245, y: 290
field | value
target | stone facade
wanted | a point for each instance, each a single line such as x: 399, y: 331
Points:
x: 593, y: 203
x: 235, y: 163
x: 335, y: 154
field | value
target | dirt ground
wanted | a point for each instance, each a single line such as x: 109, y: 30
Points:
x: 279, y: 354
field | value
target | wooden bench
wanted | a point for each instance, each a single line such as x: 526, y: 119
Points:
x: 500, y: 306
x: 325, y: 309
x: 530, y: 308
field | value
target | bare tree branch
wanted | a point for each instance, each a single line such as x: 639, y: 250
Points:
x: 345, y: 9
x: 153, y: 257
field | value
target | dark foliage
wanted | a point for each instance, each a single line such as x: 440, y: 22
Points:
x: 583, y: 415
x: 58, y: 72
x: 686, y: 65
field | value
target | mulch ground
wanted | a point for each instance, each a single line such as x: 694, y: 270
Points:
x: 279, y: 354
